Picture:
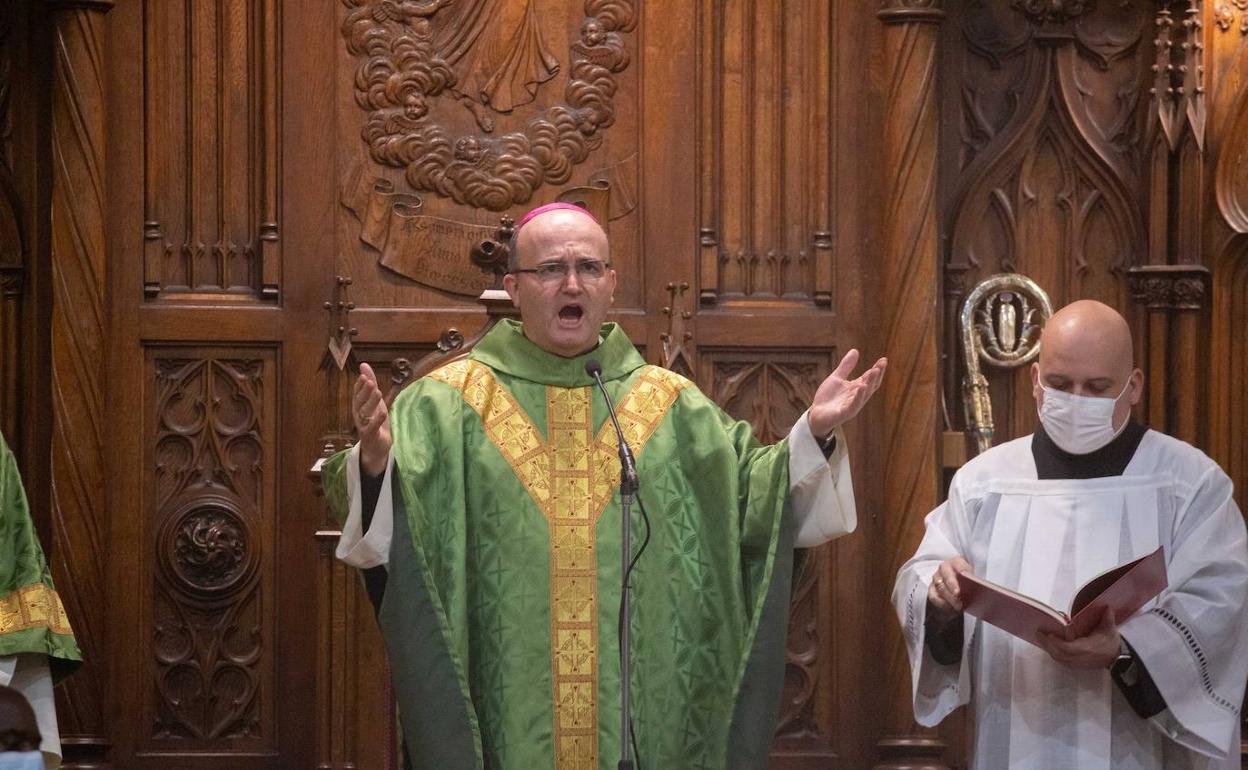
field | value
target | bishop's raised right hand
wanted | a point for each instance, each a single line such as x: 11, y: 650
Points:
x: 372, y: 422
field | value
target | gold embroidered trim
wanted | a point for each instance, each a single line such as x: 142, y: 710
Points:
x: 573, y: 579
x: 506, y: 424
x: 571, y: 476
x: 33, y: 606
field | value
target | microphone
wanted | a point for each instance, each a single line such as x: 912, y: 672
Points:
x: 628, y: 488
x: 628, y: 466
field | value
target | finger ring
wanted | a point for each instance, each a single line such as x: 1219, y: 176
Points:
x: 939, y: 581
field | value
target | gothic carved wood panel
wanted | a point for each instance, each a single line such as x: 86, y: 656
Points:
x: 1043, y: 160
x: 211, y: 542
x: 210, y: 113
x: 771, y: 390
x: 765, y: 156
x: 12, y: 250
x: 1227, y: 234
x: 78, y: 361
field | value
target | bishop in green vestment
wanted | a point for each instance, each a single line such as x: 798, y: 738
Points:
x: 483, y: 506
x: 37, y: 645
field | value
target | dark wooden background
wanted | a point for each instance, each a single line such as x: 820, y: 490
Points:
x: 185, y: 185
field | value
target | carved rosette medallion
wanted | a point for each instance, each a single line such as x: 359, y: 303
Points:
x: 424, y: 66
x: 208, y: 637
x: 205, y: 549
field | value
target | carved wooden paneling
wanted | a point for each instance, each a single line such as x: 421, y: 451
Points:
x: 1229, y: 389
x: 211, y: 540
x: 416, y: 62
x: 1231, y: 15
x: 768, y: 389
x: 79, y: 315
x: 1227, y: 248
x: 771, y: 390
x: 12, y: 251
x: 356, y: 716
x: 908, y: 294
x: 1046, y: 172
x: 456, y: 110
x: 212, y: 153
x: 765, y: 151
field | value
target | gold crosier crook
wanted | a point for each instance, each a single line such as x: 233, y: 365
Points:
x: 999, y: 325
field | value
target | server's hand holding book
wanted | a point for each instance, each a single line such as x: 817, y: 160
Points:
x: 1123, y: 589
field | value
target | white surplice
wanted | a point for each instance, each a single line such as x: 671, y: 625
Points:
x: 1045, y: 538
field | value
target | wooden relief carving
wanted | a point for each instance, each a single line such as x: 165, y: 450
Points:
x: 211, y: 155
x: 79, y: 368
x: 1170, y: 287
x: 422, y: 63
x: 1047, y: 171
x: 798, y: 727
x: 908, y: 285
x: 209, y: 640
x: 1231, y: 174
x: 1052, y: 10
x: 12, y: 268
x: 766, y: 138
x: 1229, y: 261
x: 771, y: 390
x: 676, y: 340
x: 1231, y: 14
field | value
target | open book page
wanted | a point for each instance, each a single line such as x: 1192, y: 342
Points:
x: 1124, y: 589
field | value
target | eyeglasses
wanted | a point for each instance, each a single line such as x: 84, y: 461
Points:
x: 557, y: 272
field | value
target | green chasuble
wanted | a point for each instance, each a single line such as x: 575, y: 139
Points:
x: 32, y: 618
x: 503, y: 588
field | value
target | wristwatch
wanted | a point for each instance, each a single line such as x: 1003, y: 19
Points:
x: 827, y: 444
x: 1123, y: 668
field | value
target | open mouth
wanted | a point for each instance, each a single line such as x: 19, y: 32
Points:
x: 571, y: 314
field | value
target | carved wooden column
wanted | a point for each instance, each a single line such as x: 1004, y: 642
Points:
x: 12, y: 267
x: 910, y: 280
x: 79, y: 318
x: 1175, y: 346
x: 1174, y: 340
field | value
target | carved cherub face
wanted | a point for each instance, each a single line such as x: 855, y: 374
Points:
x: 414, y: 105
x: 592, y: 32
x: 468, y: 149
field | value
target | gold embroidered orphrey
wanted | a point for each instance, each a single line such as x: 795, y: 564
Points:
x: 33, y: 606
x: 571, y: 476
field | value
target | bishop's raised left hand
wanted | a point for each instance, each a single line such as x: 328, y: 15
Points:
x: 838, y: 398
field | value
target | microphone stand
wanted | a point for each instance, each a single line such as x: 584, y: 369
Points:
x: 628, y: 490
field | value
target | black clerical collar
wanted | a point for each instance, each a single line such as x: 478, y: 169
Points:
x: 1052, y: 462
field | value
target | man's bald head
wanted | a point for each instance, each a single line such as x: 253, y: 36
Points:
x: 1092, y: 331
x: 1086, y: 350
x: 536, y: 227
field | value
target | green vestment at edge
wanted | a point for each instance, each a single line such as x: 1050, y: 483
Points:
x: 32, y: 618
x: 503, y: 588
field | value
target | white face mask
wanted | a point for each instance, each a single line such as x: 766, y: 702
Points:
x: 21, y: 760
x: 1079, y: 424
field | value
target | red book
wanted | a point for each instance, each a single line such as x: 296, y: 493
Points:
x: 1124, y: 589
